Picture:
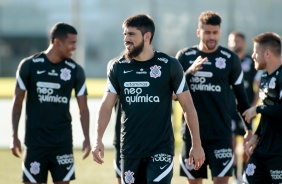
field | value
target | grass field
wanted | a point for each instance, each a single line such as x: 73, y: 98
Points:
x: 87, y: 171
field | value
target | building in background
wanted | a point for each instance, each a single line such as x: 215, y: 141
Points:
x: 24, y: 26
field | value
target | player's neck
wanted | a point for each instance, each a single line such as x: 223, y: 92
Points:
x: 275, y: 64
x: 52, y: 55
x: 241, y: 55
x: 202, y: 48
x: 146, y: 54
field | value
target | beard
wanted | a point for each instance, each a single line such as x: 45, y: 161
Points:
x: 211, y: 47
x: 130, y: 54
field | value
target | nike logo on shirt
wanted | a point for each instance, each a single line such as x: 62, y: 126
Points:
x: 127, y: 71
x: 40, y: 72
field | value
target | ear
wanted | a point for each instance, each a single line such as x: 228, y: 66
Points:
x: 56, y: 41
x: 147, y: 36
x: 198, y: 32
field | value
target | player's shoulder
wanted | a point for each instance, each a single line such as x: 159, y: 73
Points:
x: 71, y: 64
x: 163, y: 57
x: 188, y: 51
x: 227, y: 52
x: 33, y: 59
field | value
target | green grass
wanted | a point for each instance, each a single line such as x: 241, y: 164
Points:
x: 87, y: 171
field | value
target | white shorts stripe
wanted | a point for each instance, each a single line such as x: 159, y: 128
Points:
x: 70, y: 173
x: 162, y: 175
x: 228, y: 166
x: 27, y: 174
x: 116, y: 168
x: 188, y: 174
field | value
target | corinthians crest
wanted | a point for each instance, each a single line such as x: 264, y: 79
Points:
x: 34, y: 168
x: 128, y: 176
x: 155, y: 71
x: 65, y: 74
x: 220, y: 62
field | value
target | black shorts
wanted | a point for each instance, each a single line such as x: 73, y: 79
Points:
x: 157, y: 168
x: 263, y: 170
x: 219, y: 156
x: 117, y: 161
x: 39, y: 160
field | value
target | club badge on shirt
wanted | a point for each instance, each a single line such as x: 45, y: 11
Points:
x: 65, y: 74
x: 220, y: 63
x: 155, y: 71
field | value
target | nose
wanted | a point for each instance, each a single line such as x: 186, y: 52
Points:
x: 253, y: 56
x: 125, y: 38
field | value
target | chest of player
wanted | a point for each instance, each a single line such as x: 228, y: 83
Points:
x: 52, y: 79
x: 270, y: 90
x: 144, y: 78
x: 215, y: 70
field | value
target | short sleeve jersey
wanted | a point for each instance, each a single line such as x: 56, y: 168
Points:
x: 270, y: 126
x: 49, y: 87
x: 145, y: 92
x: 210, y: 89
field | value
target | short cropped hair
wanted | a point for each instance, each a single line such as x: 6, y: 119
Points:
x: 142, y: 22
x: 209, y: 18
x: 269, y: 40
x: 61, y: 30
x: 238, y: 34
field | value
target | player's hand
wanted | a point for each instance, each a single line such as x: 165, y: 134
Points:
x: 250, y: 145
x: 248, y: 136
x: 16, y: 147
x: 250, y: 113
x: 86, y: 148
x: 197, y: 65
x: 98, y: 152
x: 197, y: 156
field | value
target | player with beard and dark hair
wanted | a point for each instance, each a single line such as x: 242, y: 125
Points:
x: 210, y: 69
x: 144, y: 80
x: 237, y: 43
x: 48, y: 79
x: 264, y: 148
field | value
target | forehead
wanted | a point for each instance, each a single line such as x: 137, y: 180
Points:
x: 72, y: 37
x: 131, y: 30
x: 209, y: 28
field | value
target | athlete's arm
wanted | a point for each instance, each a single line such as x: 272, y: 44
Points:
x: 196, y: 153
x: 104, y: 115
x: 16, y: 114
x: 242, y: 106
x: 84, y: 119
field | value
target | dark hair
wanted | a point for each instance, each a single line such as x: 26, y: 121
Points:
x: 238, y: 34
x: 209, y: 18
x: 61, y: 30
x: 269, y: 40
x: 142, y: 22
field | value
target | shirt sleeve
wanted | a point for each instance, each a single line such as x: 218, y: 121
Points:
x: 236, y: 80
x: 112, y: 82
x: 178, y: 79
x: 22, y: 75
x: 80, y: 85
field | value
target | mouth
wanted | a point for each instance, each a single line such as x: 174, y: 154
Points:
x: 128, y: 45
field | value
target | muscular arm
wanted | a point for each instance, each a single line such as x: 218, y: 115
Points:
x: 242, y: 100
x: 84, y: 119
x: 104, y: 115
x: 190, y: 115
x: 16, y: 114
